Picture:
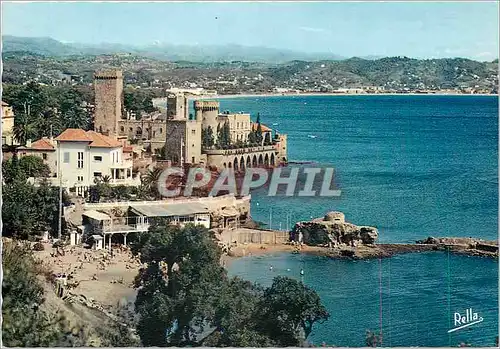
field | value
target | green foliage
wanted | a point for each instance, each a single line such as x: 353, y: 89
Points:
x: 267, y: 139
x: 178, y: 300
x: 252, y: 138
x: 25, y: 128
x: 207, y: 137
x: 289, y: 309
x: 139, y: 100
x: 24, y: 323
x: 27, y: 211
x: 32, y: 166
x: 42, y: 111
x: 258, y: 132
x: 223, y: 136
x: 185, y: 297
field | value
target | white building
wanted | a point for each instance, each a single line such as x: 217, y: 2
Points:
x: 82, y: 156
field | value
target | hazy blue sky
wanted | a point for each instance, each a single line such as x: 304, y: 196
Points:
x: 418, y: 30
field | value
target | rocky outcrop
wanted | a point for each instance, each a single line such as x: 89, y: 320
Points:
x: 332, y: 230
x: 470, y: 246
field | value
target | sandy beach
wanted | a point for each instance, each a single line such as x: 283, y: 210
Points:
x: 96, y: 274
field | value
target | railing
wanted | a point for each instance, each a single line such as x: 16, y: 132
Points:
x: 238, y: 151
x: 182, y: 200
x: 123, y: 225
x: 126, y: 181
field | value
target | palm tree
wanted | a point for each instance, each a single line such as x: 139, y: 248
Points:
x: 24, y: 128
x: 106, y: 179
x: 76, y: 118
x: 48, y: 124
x: 150, y: 181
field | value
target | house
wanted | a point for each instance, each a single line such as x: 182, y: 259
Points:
x: 45, y: 149
x: 7, y: 125
x: 84, y: 157
x: 139, y: 216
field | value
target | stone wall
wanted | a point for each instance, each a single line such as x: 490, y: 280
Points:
x: 254, y: 236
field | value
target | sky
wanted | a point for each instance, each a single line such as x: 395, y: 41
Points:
x: 413, y: 29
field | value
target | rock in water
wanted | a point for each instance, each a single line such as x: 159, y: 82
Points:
x: 332, y: 229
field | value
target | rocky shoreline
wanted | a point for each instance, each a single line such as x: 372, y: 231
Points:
x: 361, y: 252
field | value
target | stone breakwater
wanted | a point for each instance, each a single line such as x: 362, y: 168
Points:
x: 333, y: 237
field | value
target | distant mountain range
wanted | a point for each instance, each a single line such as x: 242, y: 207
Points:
x: 199, y: 53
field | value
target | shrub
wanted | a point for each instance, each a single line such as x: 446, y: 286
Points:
x: 38, y: 247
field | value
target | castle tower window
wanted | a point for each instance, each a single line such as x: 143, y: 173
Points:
x: 122, y: 129
x: 161, y: 130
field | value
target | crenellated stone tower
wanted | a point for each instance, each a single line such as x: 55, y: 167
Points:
x: 108, y: 87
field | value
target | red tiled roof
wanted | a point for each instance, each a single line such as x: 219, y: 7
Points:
x: 263, y: 127
x: 127, y: 149
x: 42, y: 144
x: 94, y: 138
x: 102, y: 141
x: 73, y: 135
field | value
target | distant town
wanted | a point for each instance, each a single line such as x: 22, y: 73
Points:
x: 351, y: 76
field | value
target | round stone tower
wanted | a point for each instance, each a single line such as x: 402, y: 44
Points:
x: 207, y: 112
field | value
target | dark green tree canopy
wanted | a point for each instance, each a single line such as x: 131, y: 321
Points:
x: 185, y: 297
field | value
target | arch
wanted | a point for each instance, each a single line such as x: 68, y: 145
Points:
x: 249, y: 163
x: 225, y: 165
x: 138, y: 131
x: 122, y: 129
x: 266, y: 160
x: 229, y: 165
x: 242, y: 163
x: 235, y: 164
x: 161, y: 130
x: 254, y: 161
x: 272, y: 160
x: 261, y: 160
x: 131, y: 129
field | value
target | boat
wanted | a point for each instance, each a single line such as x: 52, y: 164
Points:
x: 311, y: 136
x: 275, y: 124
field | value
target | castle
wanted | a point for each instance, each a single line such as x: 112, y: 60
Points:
x: 208, y: 137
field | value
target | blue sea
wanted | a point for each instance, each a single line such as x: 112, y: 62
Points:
x: 412, y: 166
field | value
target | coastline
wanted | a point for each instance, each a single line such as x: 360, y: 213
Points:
x: 360, y: 252
x: 316, y: 94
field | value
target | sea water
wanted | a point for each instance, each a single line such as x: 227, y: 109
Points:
x: 412, y: 166
x: 420, y: 293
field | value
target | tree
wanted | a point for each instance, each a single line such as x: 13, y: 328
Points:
x: 185, y: 297
x: 24, y: 323
x: 19, y: 214
x: 27, y: 211
x: 258, y: 132
x: 179, y: 288
x: 289, y: 309
x: 33, y: 166
x: 11, y: 171
x: 267, y: 139
x: 252, y: 138
x: 207, y: 136
x: 24, y: 128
